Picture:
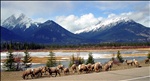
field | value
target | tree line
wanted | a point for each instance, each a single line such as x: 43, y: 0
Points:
x: 12, y: 62
x: 33, y: 46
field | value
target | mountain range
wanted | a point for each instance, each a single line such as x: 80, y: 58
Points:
x: 117, y: 30
x: 20, y: 28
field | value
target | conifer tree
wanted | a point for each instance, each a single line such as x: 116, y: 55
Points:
x: 119, y: 57
x: 10, y: 61
x: 51, y: 60
x: 90, y: 59
x: 27, y: 58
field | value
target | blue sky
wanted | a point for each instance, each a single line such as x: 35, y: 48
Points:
x: 75, y: 15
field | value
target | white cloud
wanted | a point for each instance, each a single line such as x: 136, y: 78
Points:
x: 111, y: 15
x: 39, y: 20
x: 40, y: 11
x: 74, y: 23
x: 34, y: 9
x: 139, y: 17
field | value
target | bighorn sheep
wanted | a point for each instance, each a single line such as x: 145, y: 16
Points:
x: 129, y: 62
x: 26, y: 73
x: 97, y: 67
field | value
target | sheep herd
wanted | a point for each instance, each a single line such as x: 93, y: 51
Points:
x: 81, y: 68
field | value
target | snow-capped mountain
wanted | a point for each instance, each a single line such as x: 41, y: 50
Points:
x: 117, y: 30
x: 17, y: 20
x: 106, y: 24
x: 47, y: 32
x: 20, y: 24
x: 21, y: 28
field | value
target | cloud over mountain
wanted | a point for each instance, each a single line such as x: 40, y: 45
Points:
x: 75, y: 15
x: 74, y: 23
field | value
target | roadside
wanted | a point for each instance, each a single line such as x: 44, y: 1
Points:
x: 135, y: 74
x: 13, y: 76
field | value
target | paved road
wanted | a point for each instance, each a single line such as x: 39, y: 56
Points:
x: 136, y: 74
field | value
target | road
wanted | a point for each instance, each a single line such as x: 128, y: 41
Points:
x: 136, y: 74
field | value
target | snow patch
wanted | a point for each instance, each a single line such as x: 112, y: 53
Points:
x: 108, y: 23
x: 19, y: 20
x: 17, y: 15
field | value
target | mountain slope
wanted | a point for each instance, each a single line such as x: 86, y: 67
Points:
x: 129, y: 32
x: 7, y: 35
x: 117, y: 30
x: 51, y: 32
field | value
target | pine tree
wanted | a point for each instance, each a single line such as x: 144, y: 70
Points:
x: 52, y: 60
x: 119, y: 57
x: 90, y: 59
x: 10, y: 61
x: 27, y: 58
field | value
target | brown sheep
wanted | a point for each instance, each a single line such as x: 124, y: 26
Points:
x: 129, y: 62
x: 60, y: 67
x: 73, y: 68
x: 66, y: 71
x: 82, y: 67
x: 53, y: 70
x: 92, y: 67
x: 97, y: 67
x: 26, y: 73
x: 108, y: 66
x: 136, y: 63
x: 37, y: 72
x: 89, y: 66
x: 44, y: 70
x: 147, y: 60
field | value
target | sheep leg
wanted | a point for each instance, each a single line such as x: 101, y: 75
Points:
x: 24, y: 77
x: 31, y: 76
x: 56, y: 74
x: 59, y: 73
x: 27, y: 76
x: 51, y: 74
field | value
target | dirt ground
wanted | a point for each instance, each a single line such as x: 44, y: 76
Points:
x: 14, y: 76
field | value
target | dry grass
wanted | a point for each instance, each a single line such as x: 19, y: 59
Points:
x: 44, y: 59
x: 89, y: 49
